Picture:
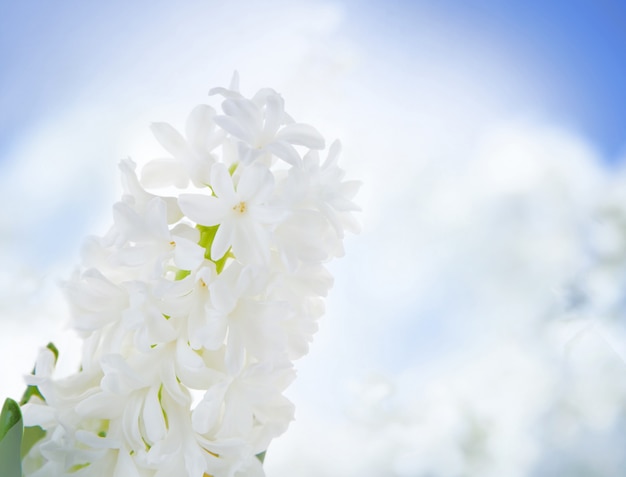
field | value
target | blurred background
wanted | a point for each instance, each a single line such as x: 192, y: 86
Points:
x: 477, y: 325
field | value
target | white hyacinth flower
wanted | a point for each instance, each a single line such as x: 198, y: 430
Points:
x: 242, y: 214
x: 192, y: 157
x: 263, y: 128
x: 192, y: 308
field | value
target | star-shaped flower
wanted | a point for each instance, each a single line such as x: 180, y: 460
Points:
x: 241, y: 211
x: 262, y: 126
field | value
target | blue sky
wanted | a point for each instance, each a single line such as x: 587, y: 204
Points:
x: 573, y: 52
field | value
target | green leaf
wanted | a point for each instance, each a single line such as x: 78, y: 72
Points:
x: 10, y: 416
x: 10, y: 439
x: 261, y: 456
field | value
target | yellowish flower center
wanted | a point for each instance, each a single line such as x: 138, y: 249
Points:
x: 240, y: 207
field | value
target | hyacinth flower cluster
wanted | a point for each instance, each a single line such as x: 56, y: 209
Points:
x: 197, y: 301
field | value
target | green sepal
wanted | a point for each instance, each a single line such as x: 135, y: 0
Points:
x: 219, y: 264
x: 207, y: 235
x: 180, y: 274
x: 29, y: 393
x: 10, y: 439
x: 55, y: 351
x: 261, y: 456
x: 31, y: 436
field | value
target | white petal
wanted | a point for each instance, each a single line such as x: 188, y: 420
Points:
x: 333, y: 154
x: 171, y: 384
x: 101, y: 405
x: 44, y: 366
x: 125, y: 466
x: 350, y: 188
x: 311, y: 161
x: 188, y: 255
x: 343, y: 205
x: 130, y: 183
x: 202, y: 209
x: 160, y: 329
x: 163, y: 173
x: 196, y: 329
x: 273, y: 117
x: 155, y: 215
x: 174, y: 213
x: 245, y: 112
x: 222, y: 241
x: 222, y: 184
x: 224, y: 92
x: 95, y: 441
x: 268, y: 215
x: 256, y: 183
x: 206, y: 414
x: 233, y: 127
x: 199, y: 168
x: 224, y: 295
x: 234, y: 81
x: 186, y: 357
x: 206, y: 329
x: 132, y: 256
x: 253, y: 468
x: 207, y: 272
x: 285, y: 151
x: 245, y: 155
x: 351, y: 224
x: 130, y: 421
x: 170, y: 139
x: 233, y: 89
x: 119, y: 377
x: 260, y: 97
x: 195, y: 461
x: 153, y: 419
x: 186, y: 231
x: 38, y: 415
x: 235, y: 352
x: 301, y: 135
x: 251, y: 243
x: 199, y: 126
x: 128, y: 222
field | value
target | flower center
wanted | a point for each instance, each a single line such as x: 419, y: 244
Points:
x: 240, y: 207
